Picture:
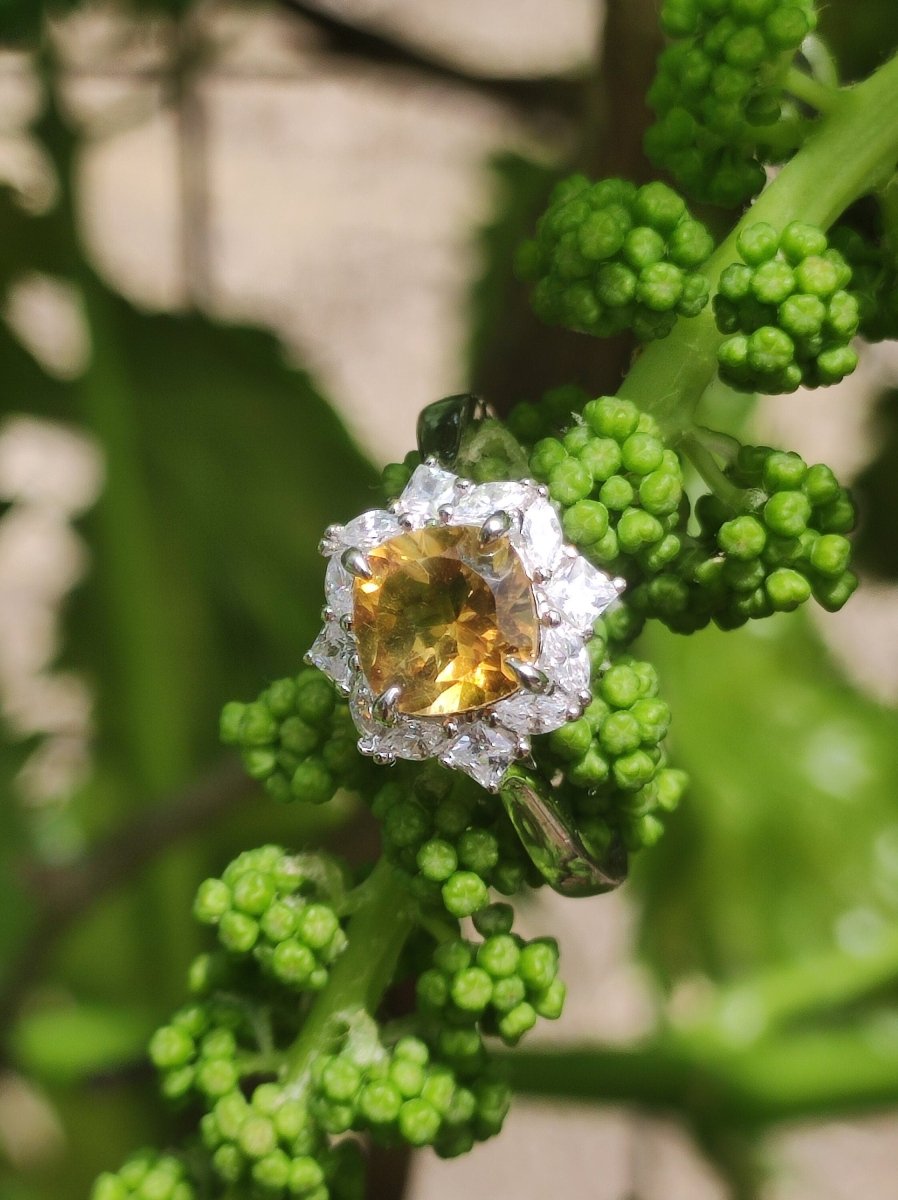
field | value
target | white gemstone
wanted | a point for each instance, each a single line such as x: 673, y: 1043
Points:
x: 526, y: 712
x: 541, y: 541
x: 409, y: 738
x: 331, y: 653
x: 564, y: 658
x: 428, y: 489
x: 338, y: 588
x: 483, y: 753
x: 476, y: 505
x: 580, y: 591
x: 370, y: 529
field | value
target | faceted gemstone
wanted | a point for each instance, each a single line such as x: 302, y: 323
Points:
x: 440, y: 617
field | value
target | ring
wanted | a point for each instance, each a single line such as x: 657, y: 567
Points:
x: 456, y: 624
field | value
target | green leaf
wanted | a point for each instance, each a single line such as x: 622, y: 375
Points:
x: 785, y: 842
x: 65, y: 1044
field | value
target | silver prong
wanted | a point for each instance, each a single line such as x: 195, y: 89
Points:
x: 384, y: 758
x: 551, y: 618
x: 494, y: 527
x: 531, y: 678
x: 574, y: 712
x: 570, y: 551
x: 522, y: 746
x: 444, y: 512
x: 330, y: 540
x: 444, y: 760
x: 383, y: 707
x: 585, y: 697
x: 406, y: 522
x: 344, y: 690
x: 463, y: 485
x: 365, y: 746
x: 356, y: 563
x: 327, y: 614
x: 353, y: 663
x: 543, y: 490
x: 542, y: 575
x: 619, y: 584
x: 346, y: 622
x: 394, y: 508
x: 450, y: 728
x: 307, y: 658
x: 431, y: 461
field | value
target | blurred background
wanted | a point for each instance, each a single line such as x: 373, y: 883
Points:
x: 241, y: 245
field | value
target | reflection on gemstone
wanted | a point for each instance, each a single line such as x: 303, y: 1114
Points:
x: 439, y: 618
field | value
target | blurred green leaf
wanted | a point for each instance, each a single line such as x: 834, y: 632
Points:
x: 66, y: 1044
x: 786, y: 841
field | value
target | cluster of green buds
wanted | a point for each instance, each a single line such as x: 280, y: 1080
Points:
x: 297, y: 739
x: 438, y: 1096
x: 276, y: 906
x: 147, y: 1175
x: 786, y: 311
x: 452, y: 839
x: 619, y: 488
x: 719, y: 93
x: 611, y: 256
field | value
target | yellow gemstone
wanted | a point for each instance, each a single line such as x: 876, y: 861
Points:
x: 440, y: 617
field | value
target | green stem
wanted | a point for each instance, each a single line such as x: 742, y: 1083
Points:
x: 362, y: 974
x: 705, y: 463
x: 853, y: 149
x: 811, y: 91
x: 836, y: 1072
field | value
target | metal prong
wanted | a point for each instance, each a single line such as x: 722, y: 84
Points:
x: 542, y: 575
x: 405, y: 522
x: 384, y: 758
x: 530, y: 677
x: 551, y: 618
x: 356, y: 563
x: 444, y: 512
x: 585, y: 697
x: 383, y: 707
x: 619, y: 584
x: 328, y: 615
x: 450, y: 728
x: 307, y: 658
x: 346, y: 622
x: 495, y: 526
x: 463, y: 485
x: 344, y: 690
x: 543, y: 490
x: 330, y: 540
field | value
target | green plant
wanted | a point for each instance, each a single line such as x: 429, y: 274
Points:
x: 332, y: 1007
x: 286, y: 1044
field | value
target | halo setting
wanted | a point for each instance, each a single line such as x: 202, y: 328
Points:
x: 457, y: 622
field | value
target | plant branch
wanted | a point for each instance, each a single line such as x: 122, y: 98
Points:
x: 854, y: 149
x: 363, y: 972
x: 811, y: 91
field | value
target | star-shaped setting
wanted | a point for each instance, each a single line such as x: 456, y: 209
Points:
x: 457, y: 622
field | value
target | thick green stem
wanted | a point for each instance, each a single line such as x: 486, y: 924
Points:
x: 853, y: 149
x: 362, y: 974
x: 811, y: 91
x: 837, y: 1072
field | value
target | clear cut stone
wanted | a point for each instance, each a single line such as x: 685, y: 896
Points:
x: 426, y: 492
x: 541, y: 541
x: 564, y: 658
x: 483, y: 753
x: 331, y: 653
x: 475, y: 506
x: 408, y: 738
x: 529, y: 713
x: 338, y: 588
x: 581, y: 592
x: 370, y: 529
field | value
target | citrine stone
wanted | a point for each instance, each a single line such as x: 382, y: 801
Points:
x: 440, y: 617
